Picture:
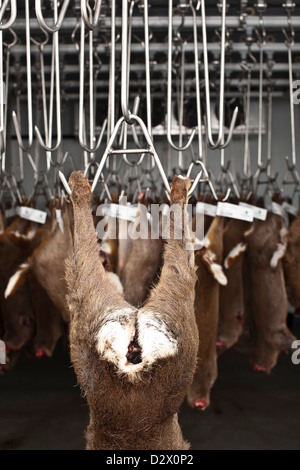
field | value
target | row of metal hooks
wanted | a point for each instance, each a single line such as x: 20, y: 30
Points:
x: 117, y: 131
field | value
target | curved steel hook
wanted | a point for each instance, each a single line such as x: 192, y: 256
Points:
x: 29, y: 89
x: 57, y: 21
x: 206, y: 179
x: 169, y: 89
x: 54, y: 69
x: 218, y: 143
x: 13, y: 14
x: 93, y: 23
x: 91, y: 149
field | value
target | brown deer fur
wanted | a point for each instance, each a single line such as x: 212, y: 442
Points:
x: 46, y: 262
x: 48, y: 320
x: 132, y: 406
x: 17, y: 310
x: 231, y: 313
x: 291, y: 263
x: 265, y: 333
x: 141, y: 269
x: 207, y: 314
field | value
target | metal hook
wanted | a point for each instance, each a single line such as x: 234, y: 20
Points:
x: 29, y: 89
x: 93, y: 21
x: 93, y: 147
x: 54, y: 70
x: 4, y: 100
x: 206, y: 179
x: 289, y: 7
x: 13, y: 14
x: 211, y: 142
x: 151, y: 150
x: 58, y: 20
x: 169, y: 88
x: 291, y: 168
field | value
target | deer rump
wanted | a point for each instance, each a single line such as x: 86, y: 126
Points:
x: 134, y: 365
x: 265, y: 333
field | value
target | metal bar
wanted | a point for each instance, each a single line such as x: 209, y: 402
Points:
x: 157, y: 22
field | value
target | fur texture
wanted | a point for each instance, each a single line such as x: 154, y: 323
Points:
x: 207, y: 313
x: 231, y: 313
x: 291, y: 263
x: 133, y: 406
x: 265, y: 333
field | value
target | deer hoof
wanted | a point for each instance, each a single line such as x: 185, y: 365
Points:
x: 201, y: 404
x: 39, y: 353
x: 220, y: 344
x: 259, y: 368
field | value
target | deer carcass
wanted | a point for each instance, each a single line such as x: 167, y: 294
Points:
x: 134, y: 365
x: 209, y: 276
x: 291, y: 263
x: 231, y: 313
x: 265, y: 332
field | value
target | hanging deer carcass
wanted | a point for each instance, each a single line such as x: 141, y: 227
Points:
x: 134, y: 365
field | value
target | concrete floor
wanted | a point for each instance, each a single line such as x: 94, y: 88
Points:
x: 41, y: 407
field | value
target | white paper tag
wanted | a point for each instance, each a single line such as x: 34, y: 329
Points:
x: 277, y: 209
x: 206, y: 209
x: 290, y: 208
x: 32, y: 214
x: 233, y: 211
x: 11, y: 212
x: 258, y: 212
x: 59, y: 220
x: 119, y: 211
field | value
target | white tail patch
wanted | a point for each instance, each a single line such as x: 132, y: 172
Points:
x: 155, y: 339
x: 215, y: 268
x: 14, y: 280
x: 119, y: 330
x: 115, y: 336
x: 115, y: 280
x: 234, y: 254
x: 281, y: 248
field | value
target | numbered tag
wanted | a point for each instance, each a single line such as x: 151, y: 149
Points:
x: 206, y: 209
x: 258, y: 212
x: 59, y: 220
x: 233, y: 211
x: 34, y: 215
